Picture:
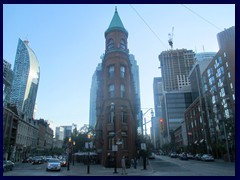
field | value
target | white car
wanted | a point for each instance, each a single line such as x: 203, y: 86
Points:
x: 207, y: 157
x: 152, y: 156
x: 53, y: 164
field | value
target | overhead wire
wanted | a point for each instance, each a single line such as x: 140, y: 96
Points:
x: 181, y: 5
x: 148, y: 26
x: 201, y: 17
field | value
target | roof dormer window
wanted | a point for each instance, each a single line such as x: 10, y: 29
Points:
x: 122, y: 44
x: 110, y: 44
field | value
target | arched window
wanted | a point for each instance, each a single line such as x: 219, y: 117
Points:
x: 111, y: 71
x: 122, y: 90
x: 110, y: 44
x: 122, y: 44
x: 111, y: 90
x: 122, y: 71
x: 123, y: 114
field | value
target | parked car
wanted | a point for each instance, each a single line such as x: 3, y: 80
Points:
x: 27, y: 160
x: 207, y: 157
x: 183, y: 156
x: 8, y: 165
x: 47, y: 158
x: 63, y: 162
x: 190, y: 155
x: 152, y: 156
x: 173, y: 155
x: 37, y: 160
x: 198, y: 156
x: 53, y: 164
x: 30, y: 159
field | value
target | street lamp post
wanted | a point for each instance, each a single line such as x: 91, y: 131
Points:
x: 73, y: 144
x: 88, y: 167
x: 115, y: 138
x: 226, y: 140
x: 68, y: 151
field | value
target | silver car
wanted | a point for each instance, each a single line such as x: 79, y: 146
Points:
x: 53, y: 165
x: 207, y: 157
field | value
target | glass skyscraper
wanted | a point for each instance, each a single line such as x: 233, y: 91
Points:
x: 93, y: 96
x: 26, y: 79
x: 7, y: 82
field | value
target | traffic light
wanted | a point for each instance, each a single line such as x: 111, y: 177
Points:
x: 161, y: 124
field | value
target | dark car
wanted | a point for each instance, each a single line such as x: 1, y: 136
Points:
x: 190, y: 155
x: 37, y: 160
x: 183, y: 156
x: 8, y: 165
x: 173, y: 155
x: 47, y: 158
x: 26, y: 160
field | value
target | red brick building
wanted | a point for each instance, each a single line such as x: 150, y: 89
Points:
x: 116, y: 99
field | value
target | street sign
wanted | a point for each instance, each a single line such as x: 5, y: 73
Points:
x: 119, y: 142
x: 189, y: 133
x: 114, y: 148
x: 143, y: 146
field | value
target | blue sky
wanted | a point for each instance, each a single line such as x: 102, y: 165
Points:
x: 68, y: 41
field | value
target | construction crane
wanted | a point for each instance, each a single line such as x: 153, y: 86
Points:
x: 170, y: 38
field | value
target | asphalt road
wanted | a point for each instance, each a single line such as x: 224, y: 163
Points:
x: 167, y: 166
x: 161, y: 166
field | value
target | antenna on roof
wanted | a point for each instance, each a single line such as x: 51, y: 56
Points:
x: 116, y: 8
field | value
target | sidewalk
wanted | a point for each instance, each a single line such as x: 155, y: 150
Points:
x: 98, y: 170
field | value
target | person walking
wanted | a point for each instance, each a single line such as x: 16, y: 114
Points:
x: 123, y: 163
x: 135, y: 163
x: 132, y: 163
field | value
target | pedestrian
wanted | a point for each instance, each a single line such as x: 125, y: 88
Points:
x: 135, y: 163
x: 123, y: 163
x: 132, y: 162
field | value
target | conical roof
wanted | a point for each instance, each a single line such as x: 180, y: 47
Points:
x: 116, y: 24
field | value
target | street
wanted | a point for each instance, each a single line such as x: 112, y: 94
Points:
x: 161, y: 166
x: 166, y: 166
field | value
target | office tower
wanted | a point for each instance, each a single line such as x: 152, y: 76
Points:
x: 26, y: 79
x: 7, y: 82
x: 59, y: 133
x: 159, y: 133
x: 135, y: 74
x: 175, y: 66
x: 203, y: 56
x: 219, y: 93
x: 93, y: 96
